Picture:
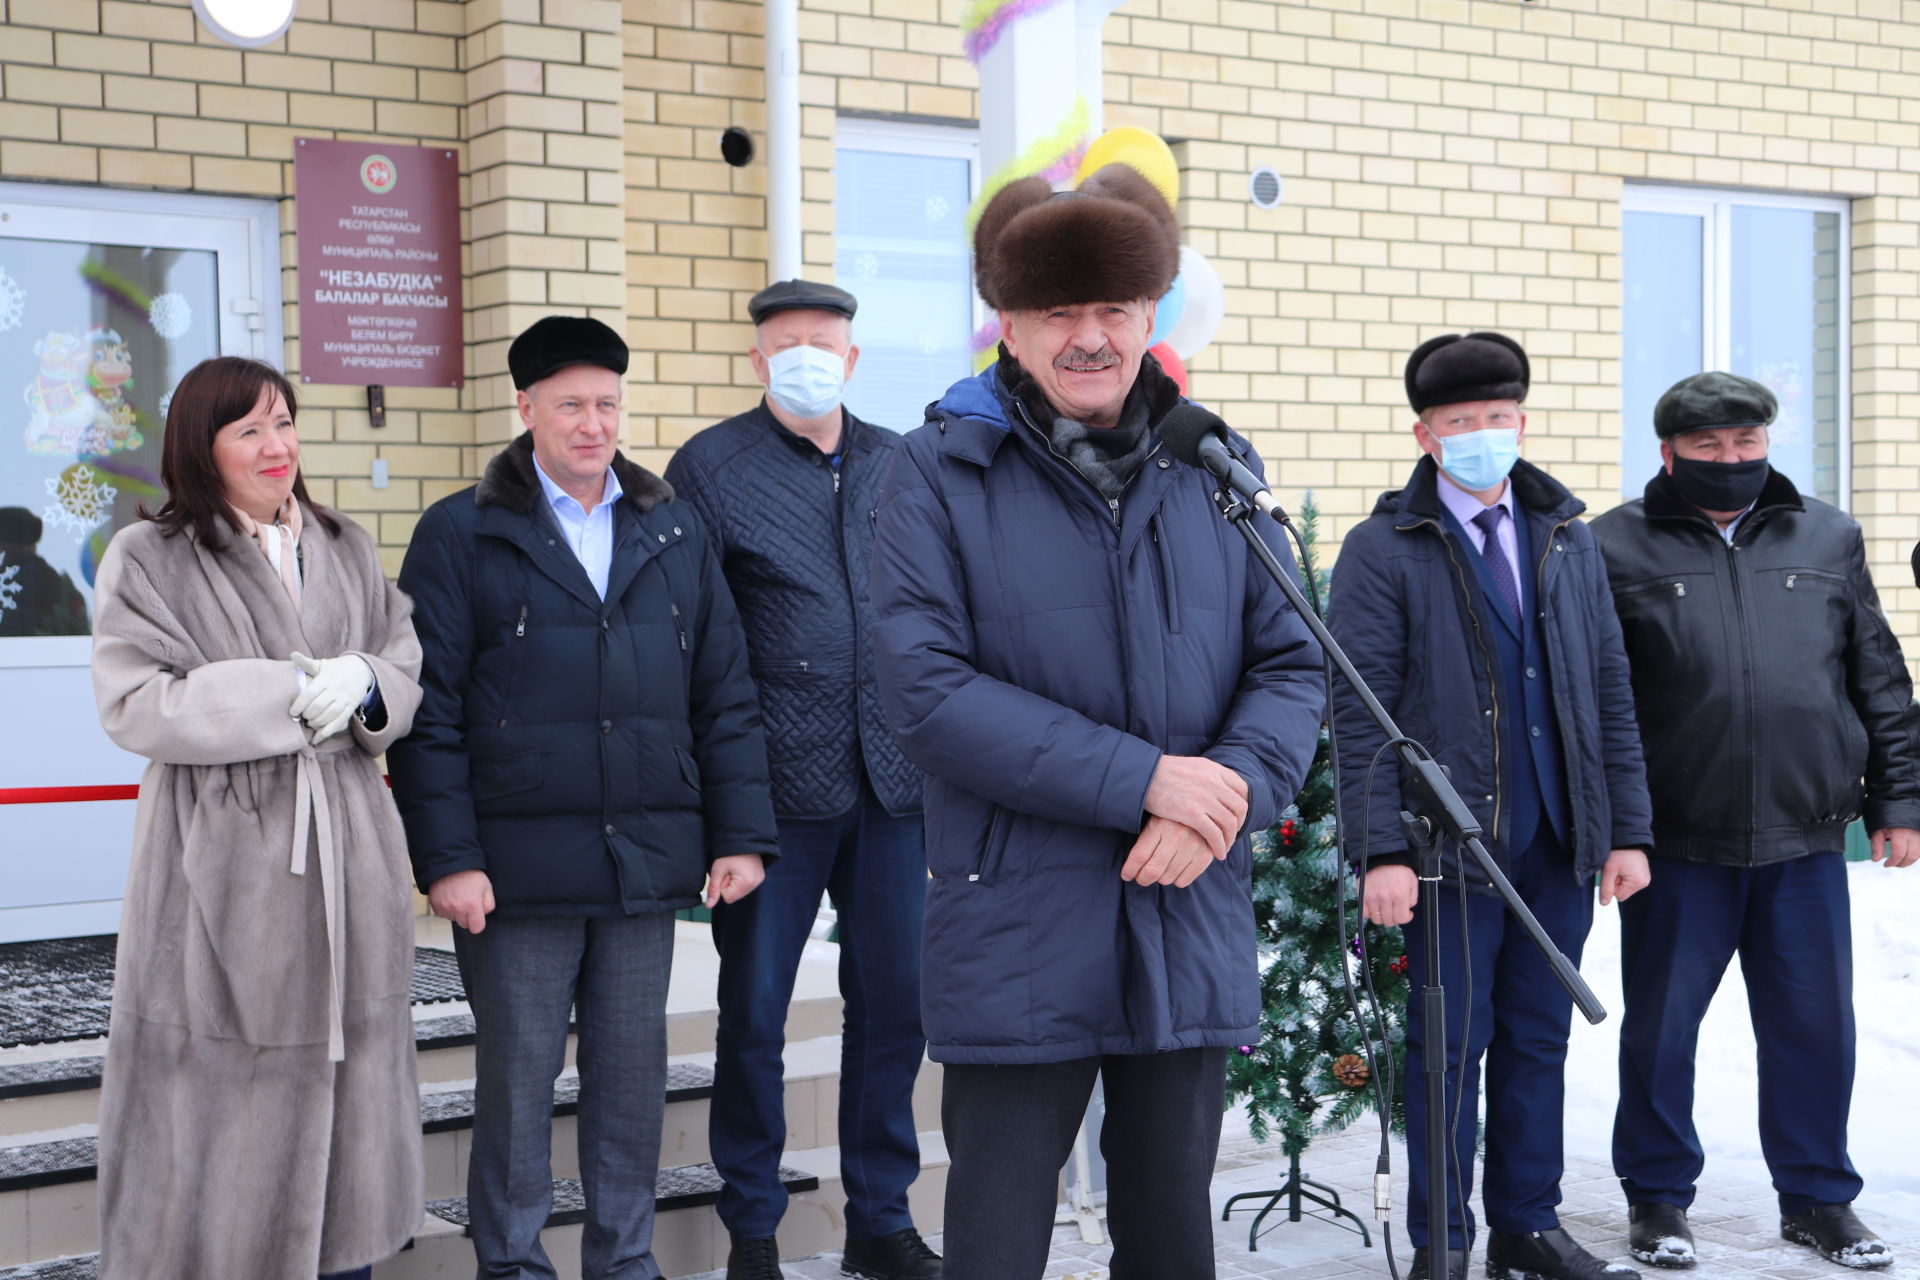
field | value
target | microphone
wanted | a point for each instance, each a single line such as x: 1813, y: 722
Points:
x: 1199, y: 439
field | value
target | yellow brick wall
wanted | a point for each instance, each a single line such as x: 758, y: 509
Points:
x: 1449, y: 164
x: 132, y: 93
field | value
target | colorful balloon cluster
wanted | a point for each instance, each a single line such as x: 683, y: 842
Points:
x: 1189, y: 314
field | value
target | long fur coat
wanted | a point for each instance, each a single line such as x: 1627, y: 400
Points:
x: 260, y: 1111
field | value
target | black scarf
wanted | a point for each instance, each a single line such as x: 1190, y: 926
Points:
x: 1108, y: 457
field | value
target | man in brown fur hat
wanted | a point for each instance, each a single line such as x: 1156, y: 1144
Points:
x: 1105, y: 692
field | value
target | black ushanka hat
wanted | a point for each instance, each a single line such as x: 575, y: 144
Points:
x: 1460, y: 368
x: 553, y: 343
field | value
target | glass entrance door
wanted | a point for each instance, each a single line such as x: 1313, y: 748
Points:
x: 106, y: 300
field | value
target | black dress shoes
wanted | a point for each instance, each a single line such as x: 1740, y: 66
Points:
x: 1658, y: 1235
x: 756, y: 1258
x: 1547, y: 1255
x: 1456, y: 1265
x: 1836, y: 1233
x: 900, y: 1256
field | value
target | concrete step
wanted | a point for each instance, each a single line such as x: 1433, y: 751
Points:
x: 688, y: 1237
x: 56, y: 1086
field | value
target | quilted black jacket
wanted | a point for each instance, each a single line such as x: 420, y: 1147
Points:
x: 795, y: 540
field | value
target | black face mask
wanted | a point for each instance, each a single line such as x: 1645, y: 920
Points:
x: 1719, y: 486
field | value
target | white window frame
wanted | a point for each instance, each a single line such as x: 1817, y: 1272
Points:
x: 915, y: 137
x: 1714, y: 206
x: 244, y: 237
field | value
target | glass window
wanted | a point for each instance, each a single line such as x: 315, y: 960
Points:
x: 1752, y: 284
x: 106, y: 299
x: 901, y: 197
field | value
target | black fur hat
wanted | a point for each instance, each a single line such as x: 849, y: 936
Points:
x: 1459, y: 368
x: 1112, y: 240
x: 553, y: 343
x: 1713, y: 400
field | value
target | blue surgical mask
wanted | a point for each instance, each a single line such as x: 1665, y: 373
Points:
x: 806, y: 381
x: 1480, y: 459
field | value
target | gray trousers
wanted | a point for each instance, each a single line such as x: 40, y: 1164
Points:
x: 523, y: 976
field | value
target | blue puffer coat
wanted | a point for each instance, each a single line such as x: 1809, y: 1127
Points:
x: 1037, y: 655
x: 591, y: 756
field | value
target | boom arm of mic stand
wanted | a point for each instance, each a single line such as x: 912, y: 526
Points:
x: 1440, y: 802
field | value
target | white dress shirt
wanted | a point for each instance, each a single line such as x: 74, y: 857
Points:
x: 589, y: 534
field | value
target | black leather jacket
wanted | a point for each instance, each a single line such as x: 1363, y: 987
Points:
x: 795, y: 541
x: 1773, y: 701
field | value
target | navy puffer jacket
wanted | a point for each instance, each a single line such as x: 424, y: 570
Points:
x: 592, y: 757
x: 1036, y: 657
x: 795, y: 538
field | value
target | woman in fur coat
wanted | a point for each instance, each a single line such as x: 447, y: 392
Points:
x: 260, y: 1116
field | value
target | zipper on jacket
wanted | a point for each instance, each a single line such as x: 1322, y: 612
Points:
x: 678, y: 630
x: 1167, y: 578
x: 520, y: 628
x: 1746, y: 684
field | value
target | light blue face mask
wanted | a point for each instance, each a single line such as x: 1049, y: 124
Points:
x: 1480, y: 460
x: 806, y: 381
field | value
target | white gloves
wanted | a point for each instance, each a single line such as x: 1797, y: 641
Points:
x: 335, y: 689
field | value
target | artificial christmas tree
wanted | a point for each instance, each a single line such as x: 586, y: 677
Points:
x: 1311, y: 1072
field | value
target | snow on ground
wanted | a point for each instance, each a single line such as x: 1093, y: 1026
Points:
x: 1885, y: 1131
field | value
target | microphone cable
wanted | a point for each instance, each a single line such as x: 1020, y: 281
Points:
x: 1379, y: 1073
x: 1382, y: 1074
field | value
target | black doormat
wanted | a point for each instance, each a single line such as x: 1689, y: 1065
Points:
x: 62, y: 988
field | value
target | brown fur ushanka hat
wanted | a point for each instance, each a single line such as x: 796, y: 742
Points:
x: 1112, y: 240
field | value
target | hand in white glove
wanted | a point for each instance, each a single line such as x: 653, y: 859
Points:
x: 335, y: 689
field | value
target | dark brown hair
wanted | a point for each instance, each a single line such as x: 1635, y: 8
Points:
x: 214, y: 393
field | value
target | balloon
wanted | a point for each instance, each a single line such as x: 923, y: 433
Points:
x: 1206, y: 305
x: 1166, y: 313
x: 1170, y: 361
x: 1141, y: 150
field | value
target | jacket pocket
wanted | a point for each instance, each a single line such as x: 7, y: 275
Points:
x: 1169, y: 580
x: 515, y: 649
x: 689, y: 769
x: 987, y: 870
x: 508, y: 775
x: 780, y: 666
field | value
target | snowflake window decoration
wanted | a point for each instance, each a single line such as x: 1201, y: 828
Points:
x: 170, y: 316
x: 10, y: 585
x: 13, y: 302
x: 866, y: 266
x: 80, y: 502
x: 937, y: 208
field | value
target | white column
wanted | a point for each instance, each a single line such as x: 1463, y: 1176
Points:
x: 1028, y: 81
x: 783, y: 140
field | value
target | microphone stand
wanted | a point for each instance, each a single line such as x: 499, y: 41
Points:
x: 1442, y: 813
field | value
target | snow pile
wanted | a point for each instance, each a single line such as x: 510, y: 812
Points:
x: 1885, y: 1130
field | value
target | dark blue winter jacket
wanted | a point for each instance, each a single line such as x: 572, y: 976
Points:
x: 1408, y: 610
x: 795, y: 538
x: 1037, y: 654
x: 591, y: 756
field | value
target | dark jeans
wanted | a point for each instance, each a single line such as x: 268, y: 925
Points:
x: 523, y: 975
x: 1518, y: 1018
x: 875, y: 867
x: 1789, y: 924
x: 1010, y: 1129
x: 364, y: 1273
